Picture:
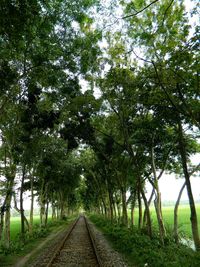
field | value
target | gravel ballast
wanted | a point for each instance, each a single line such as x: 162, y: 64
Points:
x: 108, y: 256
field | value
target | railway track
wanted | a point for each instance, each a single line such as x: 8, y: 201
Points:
x: 76, y: 249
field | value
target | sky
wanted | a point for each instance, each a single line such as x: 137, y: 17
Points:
x: 170, y: 187
x: 170, y: 184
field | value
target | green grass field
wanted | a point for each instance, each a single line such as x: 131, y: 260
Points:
x: 168, y: 215
x: 9, y: 257
x: 15, y: 226
x: 184, y: 220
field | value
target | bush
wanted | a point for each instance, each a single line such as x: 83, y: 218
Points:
x: 17, y: 245
x: 143, y: 251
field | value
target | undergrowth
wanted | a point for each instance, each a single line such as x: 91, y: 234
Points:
x: 19, y: 243
x: 140, y: 250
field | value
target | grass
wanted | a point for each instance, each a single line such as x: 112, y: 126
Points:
x: 183, y: 215
x: 18, y: 250
x: 15, y: 226
x: 168, y: 215
x: 142, y: 251
x: 145, y: 251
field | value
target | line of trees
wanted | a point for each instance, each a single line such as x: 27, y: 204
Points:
x: 143, y: 59
x: 149, y: 119
x: 44, y: 47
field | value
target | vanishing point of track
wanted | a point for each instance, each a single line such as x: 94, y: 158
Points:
x: 77, y: 248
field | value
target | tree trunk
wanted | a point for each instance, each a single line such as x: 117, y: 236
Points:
x: 104, y: 206
x: 118, y: 211
x: 149, y: 225
x: 139, y: 210
x: 18, y: 210
x: 7, y: 224
x: 8, y: 199
x: 32, y: 206
x: 57, y: 212
x: 124, y: 208
x: 114, y: 209
x: 46, y: 213
x: 118, y: 207
x: 110, y: 206
x: 42, y: 213
x: 133, y: 209
x: 149, y: 202
x: 62, y: 210
x: 21, y: 204
x: 176, y: 213
x: 42, y: 205
x: 133, y: 200
x: 132, y: 215
x: 193, y: 214
x: 101, y: 208
x: 62, y: 206
x: 7, y: 220
x: 157, y: 201
x: 53, y: 212
x: 2, y: 219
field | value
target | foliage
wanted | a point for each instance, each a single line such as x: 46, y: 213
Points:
x: 140, y: 250
x: 18, y: 246
x: 71, y: 148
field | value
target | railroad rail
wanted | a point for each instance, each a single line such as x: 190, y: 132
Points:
x: 77, y: 248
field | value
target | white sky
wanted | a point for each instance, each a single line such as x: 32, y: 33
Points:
x: 170, y: 184
x: 170, y: 187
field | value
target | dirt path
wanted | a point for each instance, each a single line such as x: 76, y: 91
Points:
x: 22, y: 261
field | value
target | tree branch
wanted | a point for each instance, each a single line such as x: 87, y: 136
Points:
x: 109, y: 137
x: 165, y: 162
x: 165, y: 14
x: 196, y: 168
x: 18, y: 210
x: 139, y: 11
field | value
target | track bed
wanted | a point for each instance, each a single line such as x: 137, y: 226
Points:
x: 78, y: 249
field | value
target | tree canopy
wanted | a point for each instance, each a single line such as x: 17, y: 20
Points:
x: 96, y: 100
